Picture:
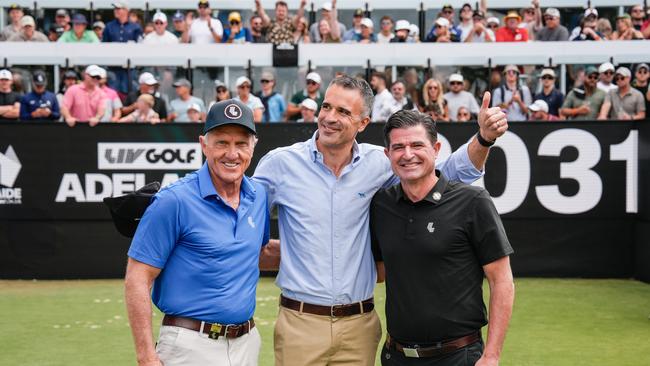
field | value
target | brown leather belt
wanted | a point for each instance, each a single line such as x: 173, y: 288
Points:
x: 334, y: 311
x: 214, y: 331
x: 438, y: 349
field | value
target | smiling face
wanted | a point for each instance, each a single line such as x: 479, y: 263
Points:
x: 228, y: 151
x: 412, y: 154
x: 341, y: 117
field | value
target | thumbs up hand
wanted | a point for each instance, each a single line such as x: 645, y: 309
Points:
x: 492, y: 122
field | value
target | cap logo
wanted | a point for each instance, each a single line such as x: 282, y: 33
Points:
x: 232, y: 111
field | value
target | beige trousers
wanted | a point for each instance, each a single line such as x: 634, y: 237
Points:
x: 180, y: 346
x: 313, y: 340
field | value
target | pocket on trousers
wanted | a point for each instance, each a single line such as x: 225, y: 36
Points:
x: 474, y: 352
x: 166, y: 340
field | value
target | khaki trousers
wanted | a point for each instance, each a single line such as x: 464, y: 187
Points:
x: 313, y: 340
x: 180, y: 346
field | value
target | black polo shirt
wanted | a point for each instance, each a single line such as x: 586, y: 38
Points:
x: 433, y: 252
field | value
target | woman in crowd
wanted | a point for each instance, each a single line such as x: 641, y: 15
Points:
x: 463, y: 115
x: 624, y: 29
x: 301, y: 34
x: 433, y: 93
x: 144, y: 111
x: 326, y: 33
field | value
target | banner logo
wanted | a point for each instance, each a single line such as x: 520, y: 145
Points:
x: 9, y: 168
x: 149, y: 156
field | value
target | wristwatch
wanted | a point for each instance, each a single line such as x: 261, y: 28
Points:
x: 483, y: 141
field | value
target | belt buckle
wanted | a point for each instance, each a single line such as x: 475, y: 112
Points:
x: 411, y: 352
x: 215, y: 329
x: 332, y: 309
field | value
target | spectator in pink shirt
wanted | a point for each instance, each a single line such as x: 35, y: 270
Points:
x: 85, y: 102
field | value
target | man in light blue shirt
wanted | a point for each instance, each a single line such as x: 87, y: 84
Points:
x: 323, y: 188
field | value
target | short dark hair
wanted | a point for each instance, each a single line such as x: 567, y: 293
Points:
x: 281, y: 3
x: 380, y: 75
x: 398, y: 81
x: 405, y: 119
x: 386, y: 17
x: 350, y: 83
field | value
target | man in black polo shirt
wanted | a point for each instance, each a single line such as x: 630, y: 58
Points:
x: 437, y: 239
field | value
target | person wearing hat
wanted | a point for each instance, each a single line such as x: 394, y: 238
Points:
x: 312, y: 90
x: 281, y: 29
x: 205, y: 29
x: 329, y: 14
x: 624, y: 103
x: 79, y: 33
x: 198, y: 244
x: 553, y: 97
x: 55, y: 33
x: 402, y: 31
x: 236, y: 33
x: 143, y: 112
x: 640, y: 83
x: 539, y: 111
x: 194, y: 113
x: 62, y: 19
x: 274, y: 105
x: 178, y: 107
x: 441, y: 32
x: 178, y: 22
x: 98, y: 28
x: 355, y: 29
x: 114, y: 105
x: 244, y: 95
x: 28, y: 32
x: 322, y: 188
x: 221, y: 92
x: 85, y: 102
x: 493, y: 23
x: 466, y: 24
x: 587, y: 30
x: 606, y: 81
x: 511, y: 32
x: 15, y: 15
x: 9, y: 99
x: 584, y: 103
x: 552, y: 31
x: 69, y: 79
x: 147, y: 85
x: 512, y: 95
x: 458, y: 97
x: 480, y: 33
x: 367, y: 34
x: 160, y: 34
x: 308, y: 109
x: 625, y: 30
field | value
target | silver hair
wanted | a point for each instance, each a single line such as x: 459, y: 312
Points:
x: 347, y: 82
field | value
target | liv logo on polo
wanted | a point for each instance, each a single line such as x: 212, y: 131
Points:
x: 9, y: 168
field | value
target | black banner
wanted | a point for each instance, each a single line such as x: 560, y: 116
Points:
x: 569, y: 193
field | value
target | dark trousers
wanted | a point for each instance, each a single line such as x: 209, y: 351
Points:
x: 466, y: 356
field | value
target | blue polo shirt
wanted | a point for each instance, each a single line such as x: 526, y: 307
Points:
x: 208, y: 252
x: 117, y: 32
x: 32, y: 101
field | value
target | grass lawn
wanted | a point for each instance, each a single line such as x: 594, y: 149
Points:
x: 555, y: 322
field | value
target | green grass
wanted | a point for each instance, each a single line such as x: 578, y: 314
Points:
x: 555, y: 322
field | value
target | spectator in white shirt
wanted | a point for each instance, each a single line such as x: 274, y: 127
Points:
x: 326, y: 14
x: 398, y: 101
x: 180, y: 105
x: 605, y: 83
x: 386, y: 30
x: 245, y: 96
x: 382, y: 97
x: 466, y: 24
x: 457, y: 97
x: 480, y: 32
x: 205, y: 29
x: 160, y: 35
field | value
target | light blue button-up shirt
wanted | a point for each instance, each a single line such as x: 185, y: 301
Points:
x: 324, y: 232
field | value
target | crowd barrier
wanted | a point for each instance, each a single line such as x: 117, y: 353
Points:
x: 574, y: 197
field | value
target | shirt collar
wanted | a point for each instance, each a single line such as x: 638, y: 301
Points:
x: 318, y: 156
x: 206, y: 187
x: 306, y: 94
x: 435, y: 194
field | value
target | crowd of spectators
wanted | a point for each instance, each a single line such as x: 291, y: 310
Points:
x: 103, y: 94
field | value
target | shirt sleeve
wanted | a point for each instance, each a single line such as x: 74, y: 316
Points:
x: 56, y: 113
x: 458, y: 167
x: 640, y: 103
x: 158, y: 231
x: 68, y: 99
x: 24, y: 113
x: 486, y: 232
x: 267, y: 174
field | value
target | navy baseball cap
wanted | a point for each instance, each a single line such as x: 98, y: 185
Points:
x: 39, y: 78
x: 79, y: 19
x: 229, y: 112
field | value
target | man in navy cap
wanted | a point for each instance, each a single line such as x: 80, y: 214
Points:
x: 39, y: 104
x: 198, y: 244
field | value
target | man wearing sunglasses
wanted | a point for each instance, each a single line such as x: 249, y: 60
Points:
x: 312, y: 91
x: 205, y: 29
x: 236, y: 33
x: 640, y: 83
x: 553, y: 30
x: 85, y: 102
x: 160, y: 35
x: 550, y: 94
x: 584, y: 103
x: 624, y: 103
x: 457, y: 97
x: 605, y: 83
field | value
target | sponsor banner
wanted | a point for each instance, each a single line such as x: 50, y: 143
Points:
x: 148, y: 156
